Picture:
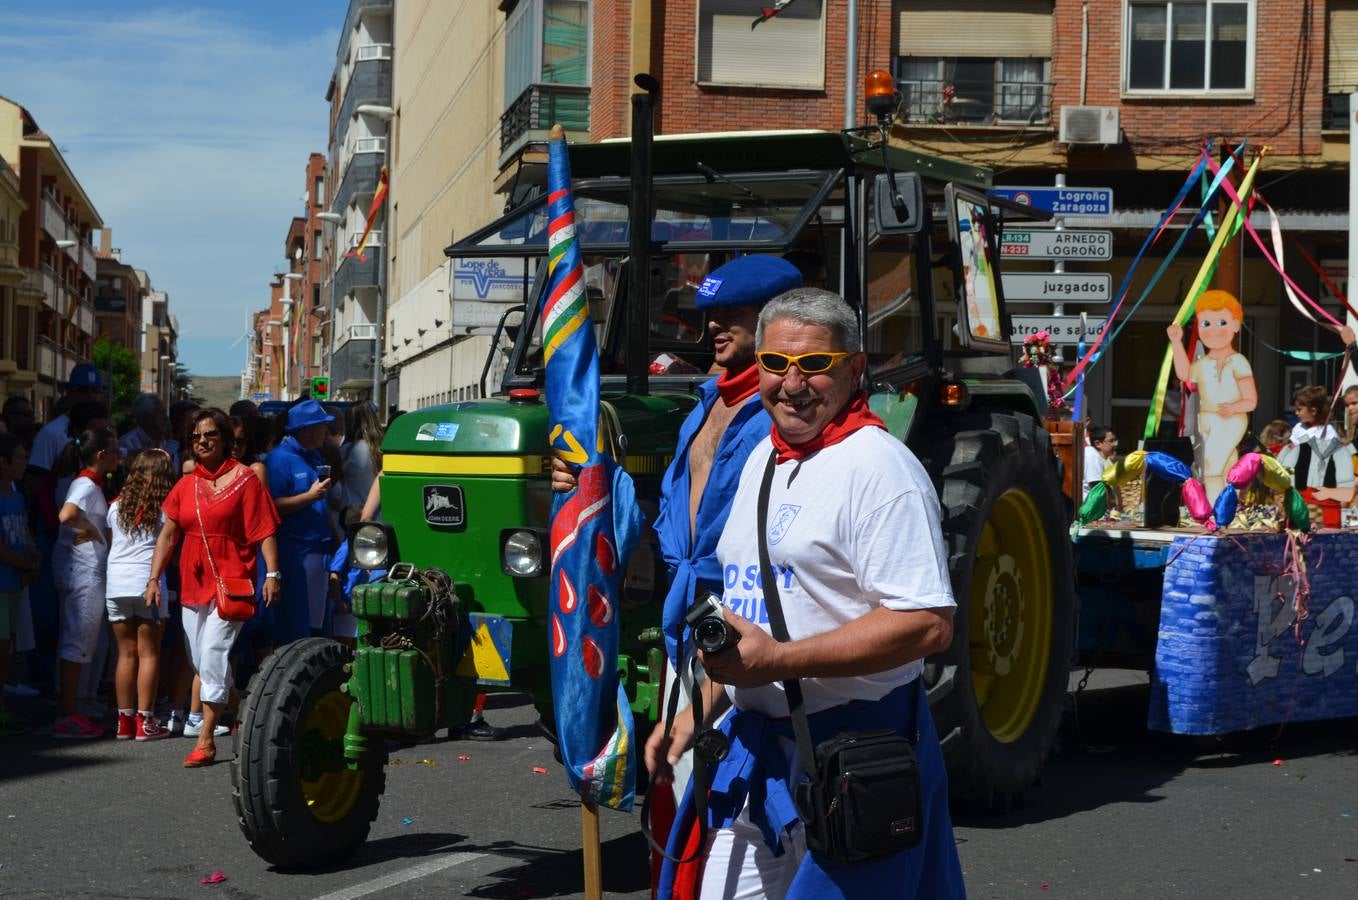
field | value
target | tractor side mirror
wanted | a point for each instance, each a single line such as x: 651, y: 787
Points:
x: 898, y: 201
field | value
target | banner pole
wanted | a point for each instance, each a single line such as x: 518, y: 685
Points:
x: 592, y: 851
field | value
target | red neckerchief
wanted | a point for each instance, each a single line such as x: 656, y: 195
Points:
x: 852, y: 417
x: 202, y: 471
x: 92, y: 475
x: 737, y: 386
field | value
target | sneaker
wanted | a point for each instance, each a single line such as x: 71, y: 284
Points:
x: 193, y: 730
x: 76, y: 727
x: 127, y: 727
x: 148, y: 729
x: 174, y: 725
x: 10, y: 726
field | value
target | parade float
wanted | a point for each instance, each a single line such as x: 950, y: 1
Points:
x: 1203, y: 563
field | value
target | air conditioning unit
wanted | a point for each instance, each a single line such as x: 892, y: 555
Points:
x: 1089, y: 125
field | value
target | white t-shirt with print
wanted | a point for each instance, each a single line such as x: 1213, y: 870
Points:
x: 89, y: 497
x: 129, y: 557
x: 852, y: 528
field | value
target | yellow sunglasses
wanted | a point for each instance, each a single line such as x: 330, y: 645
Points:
x: 806, y: 363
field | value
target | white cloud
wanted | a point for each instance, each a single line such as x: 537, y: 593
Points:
x: 190, y: 133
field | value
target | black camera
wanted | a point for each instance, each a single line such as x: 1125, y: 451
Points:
x: 710, y: 631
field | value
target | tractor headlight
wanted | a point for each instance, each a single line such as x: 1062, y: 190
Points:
x: 521, y: 552
x: 372, y: 546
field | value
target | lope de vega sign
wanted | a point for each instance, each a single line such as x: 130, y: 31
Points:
x: 1095, y: 245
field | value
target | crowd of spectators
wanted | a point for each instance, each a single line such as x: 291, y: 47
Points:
x: 116, y: 534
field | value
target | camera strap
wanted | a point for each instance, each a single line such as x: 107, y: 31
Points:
x: 701, y: 779
x: 796, y: 706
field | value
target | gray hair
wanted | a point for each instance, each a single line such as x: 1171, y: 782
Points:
x: 144, y: 405
x: 812, y: 306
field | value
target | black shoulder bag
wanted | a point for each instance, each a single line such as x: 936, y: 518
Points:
x: 862, y: 799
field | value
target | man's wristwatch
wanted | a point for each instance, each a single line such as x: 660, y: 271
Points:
x: 276, y: 576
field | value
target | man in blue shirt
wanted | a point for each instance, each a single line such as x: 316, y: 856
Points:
x: 304, y: 534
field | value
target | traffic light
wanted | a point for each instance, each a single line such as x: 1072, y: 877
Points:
x: 320, y: 387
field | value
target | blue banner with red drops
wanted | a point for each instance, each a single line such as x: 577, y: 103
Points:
x: 593, y: 528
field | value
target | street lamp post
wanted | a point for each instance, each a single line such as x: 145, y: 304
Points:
x: 288, y: 318
x: 386, y: 114
x: 335, y: 220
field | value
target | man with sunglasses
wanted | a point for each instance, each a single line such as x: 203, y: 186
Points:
x: 715, y: 439
x: 857, y: 555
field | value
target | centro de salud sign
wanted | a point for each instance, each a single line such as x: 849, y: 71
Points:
x: 1061, y: 201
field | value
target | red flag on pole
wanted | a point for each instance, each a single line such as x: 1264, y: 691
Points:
x: 378, y: 196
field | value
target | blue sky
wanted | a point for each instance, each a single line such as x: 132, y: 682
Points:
x: 189, y: 126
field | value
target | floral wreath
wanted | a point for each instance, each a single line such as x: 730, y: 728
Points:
x: 1037, y: 351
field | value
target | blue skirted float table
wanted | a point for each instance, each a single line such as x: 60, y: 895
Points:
x: 1229, y: 652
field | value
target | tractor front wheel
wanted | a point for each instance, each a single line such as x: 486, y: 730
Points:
x: 298, y: 802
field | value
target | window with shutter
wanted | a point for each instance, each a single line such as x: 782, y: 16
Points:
x: 1189, y: 46
x: 786, y: 51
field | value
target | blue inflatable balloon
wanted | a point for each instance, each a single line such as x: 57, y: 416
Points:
x: 1225, y: 507
x: 1164, y: 466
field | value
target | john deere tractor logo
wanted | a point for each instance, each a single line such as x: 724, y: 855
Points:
x: 443, y: 505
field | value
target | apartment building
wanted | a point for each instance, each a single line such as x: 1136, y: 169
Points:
x: 264, y: 372
x: 18, y: 303
x: 159, y: 344
x: 448, y: 74
x: 55, y: 250
x: 118, y: 296
x: 359, y: 95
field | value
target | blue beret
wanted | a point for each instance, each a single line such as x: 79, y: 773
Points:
x: 748, y: 279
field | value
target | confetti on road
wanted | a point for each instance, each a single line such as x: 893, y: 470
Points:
x: 539, y: 770
x: 464, y: 758
x: 407, y: 821
x: 1044, y: 885
x: 427, y: 762
x: 1277, y: 762
x: 216, y: 877
x: 397, y: 762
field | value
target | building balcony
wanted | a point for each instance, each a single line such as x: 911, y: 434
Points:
x: 53, y: 292
x: 47, y: 358
x: 354, y: 274
x: 351, y: 364
x: 84, y: 319
x: 537, y: 109
x: 370, y: 82
x: 88, y: 263
x: 53, y: 219
x: 360, y: 179
x: 357, y: 9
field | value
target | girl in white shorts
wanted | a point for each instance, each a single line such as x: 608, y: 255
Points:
x: 78, y: 562
x: 134, y: 521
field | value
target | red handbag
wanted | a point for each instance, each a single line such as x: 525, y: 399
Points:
x: 235, y: 597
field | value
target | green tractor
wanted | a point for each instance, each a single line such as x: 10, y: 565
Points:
x: 911, y: 240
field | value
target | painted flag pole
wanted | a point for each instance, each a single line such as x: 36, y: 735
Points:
x: 378, y: 196
x: 593, y: 529
x: 1080, y: 383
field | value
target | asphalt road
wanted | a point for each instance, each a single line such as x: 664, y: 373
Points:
x: 1120, y: 812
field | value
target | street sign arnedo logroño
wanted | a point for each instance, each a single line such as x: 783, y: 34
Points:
x: 1060, y: 329
x: 1096, y: 245
x: 1058, y: 287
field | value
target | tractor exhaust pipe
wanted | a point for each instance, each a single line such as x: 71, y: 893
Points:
x: 639, y: 250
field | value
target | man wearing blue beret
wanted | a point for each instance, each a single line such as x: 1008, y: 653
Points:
x: 715, y: 439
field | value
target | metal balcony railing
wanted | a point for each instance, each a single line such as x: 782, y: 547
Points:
x: 541, y: 106
x: 372, y: 51
x: 991, y: 102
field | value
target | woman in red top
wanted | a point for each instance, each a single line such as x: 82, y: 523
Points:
x: 224, y: 513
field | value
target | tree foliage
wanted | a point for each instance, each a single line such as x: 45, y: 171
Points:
x: 119, y: 365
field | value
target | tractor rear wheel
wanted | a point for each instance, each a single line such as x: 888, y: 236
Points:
x: 997, y: 693
x: 297, y: 801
